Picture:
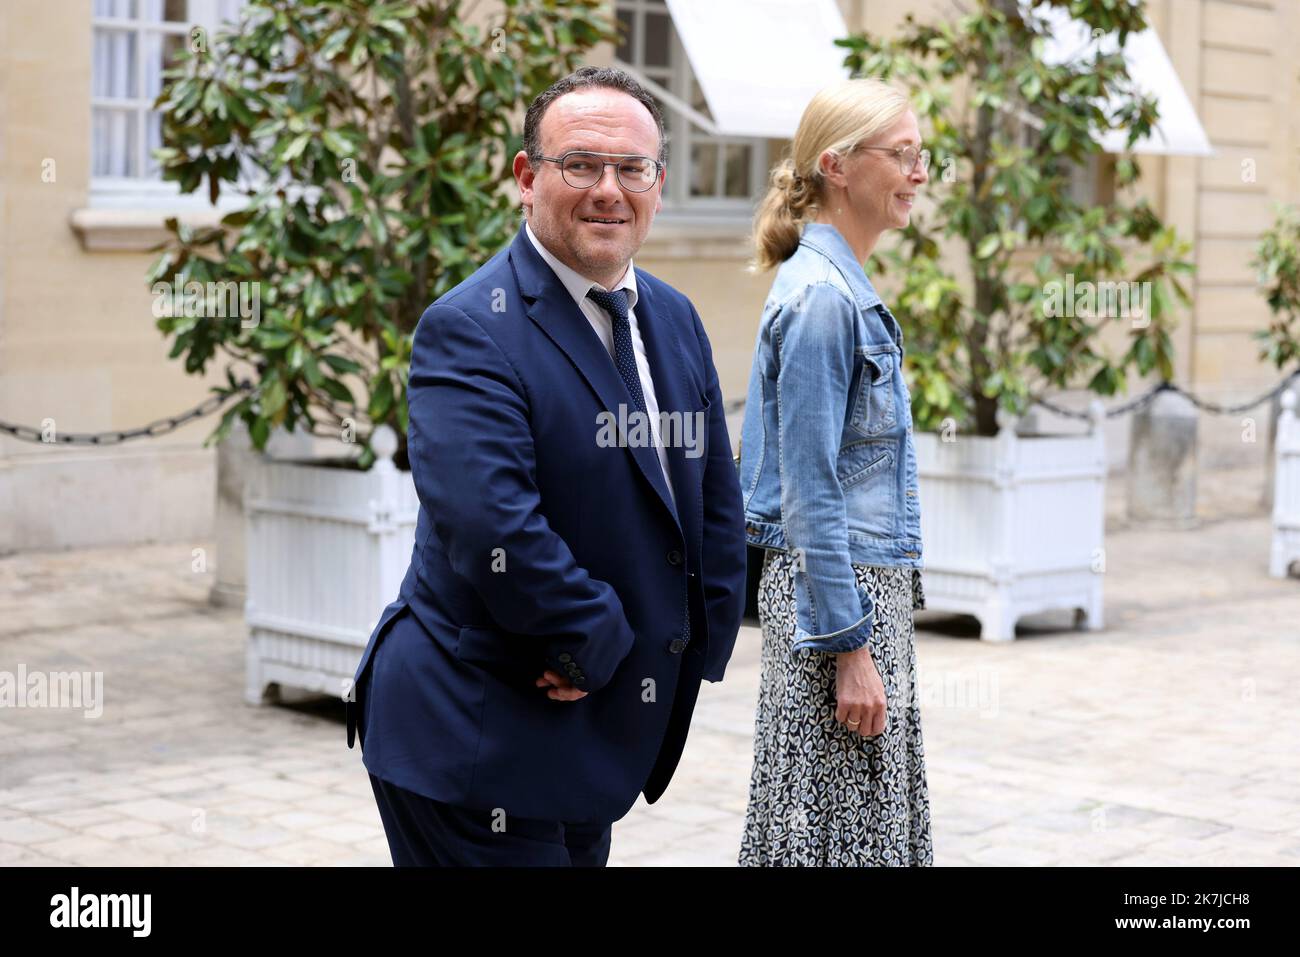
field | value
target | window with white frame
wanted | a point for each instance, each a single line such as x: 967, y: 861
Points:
x: 134, y: 41
x: 708, y: 173
x: 1090, y: 182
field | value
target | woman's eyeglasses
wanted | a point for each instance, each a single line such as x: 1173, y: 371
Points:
x: 907, y: 157
x: 583, y: 170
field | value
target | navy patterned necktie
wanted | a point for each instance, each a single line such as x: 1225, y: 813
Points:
x: 615, y: 303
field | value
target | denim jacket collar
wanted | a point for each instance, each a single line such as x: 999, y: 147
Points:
x: 828, y: 241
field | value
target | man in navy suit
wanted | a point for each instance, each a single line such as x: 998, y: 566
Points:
x: 579, y: 562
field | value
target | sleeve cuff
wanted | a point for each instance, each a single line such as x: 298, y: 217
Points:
x: 850, y: 638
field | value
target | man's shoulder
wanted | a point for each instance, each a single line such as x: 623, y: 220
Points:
x: 486, y: 301
x: 484, y: 289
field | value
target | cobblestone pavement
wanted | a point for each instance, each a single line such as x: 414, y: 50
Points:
x: 1168, y: 738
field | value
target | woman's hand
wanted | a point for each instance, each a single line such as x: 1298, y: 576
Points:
x: 860, y: 703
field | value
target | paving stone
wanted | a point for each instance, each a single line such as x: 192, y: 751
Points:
x: 310, y: 852
x: 217, y: 857
x: 171, y: 771
x: 237, y: 804
x: 124, y: 830
x: 171, y: 844
x: 687, y: 812
x: 345, y: 833
x: 44, y: 805
x: 17, y: 855
x: 179, y: 787
x: 252, y: 838
x: 329, y: 803
x: 302, y: 820
x: 84, y: 850
x: 84, y: 818
x: 157, y: 810
x: 275, y: 790
x: 1011, y: 855
x: 29, y: 830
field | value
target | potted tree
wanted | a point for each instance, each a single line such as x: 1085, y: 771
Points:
x: 1010, y: 285
x: 370, y: 143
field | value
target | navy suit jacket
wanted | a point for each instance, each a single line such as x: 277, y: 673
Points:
x: 538, y: 548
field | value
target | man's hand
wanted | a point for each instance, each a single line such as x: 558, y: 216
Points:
x: 561, y: 688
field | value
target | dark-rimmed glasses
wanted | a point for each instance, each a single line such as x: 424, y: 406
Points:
x: 583, y: 169
x: 907, y: 157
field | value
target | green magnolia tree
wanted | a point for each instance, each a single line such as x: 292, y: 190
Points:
x: 1277, y: 259
x: 371, y: 142
x: 1016, y: 321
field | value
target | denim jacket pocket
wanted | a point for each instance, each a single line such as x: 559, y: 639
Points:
x: 862, y: 459
x: 874, y: 409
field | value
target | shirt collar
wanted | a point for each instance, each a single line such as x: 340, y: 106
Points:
x: 577, y: 284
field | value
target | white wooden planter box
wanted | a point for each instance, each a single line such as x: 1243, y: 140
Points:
x: 327, y: 549
x: 1014, y: 525
x: 1286, y: 490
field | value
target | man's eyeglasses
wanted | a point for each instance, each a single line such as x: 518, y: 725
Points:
x: 583, y: 170
x: 907, y: 157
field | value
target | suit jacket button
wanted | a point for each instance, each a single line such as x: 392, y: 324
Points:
x: 674, y: 557
x: 676, y: 646
x: 565, y: 657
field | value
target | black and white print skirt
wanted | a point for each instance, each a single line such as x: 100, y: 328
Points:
x: 821, y: 795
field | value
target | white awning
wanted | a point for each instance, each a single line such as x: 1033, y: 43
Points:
x: 759, y: 62
x: 1179, y: 131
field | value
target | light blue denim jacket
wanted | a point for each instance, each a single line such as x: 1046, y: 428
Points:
x: 827, y: 463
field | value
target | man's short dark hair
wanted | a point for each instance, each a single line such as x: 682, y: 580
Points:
x: 588, y: 77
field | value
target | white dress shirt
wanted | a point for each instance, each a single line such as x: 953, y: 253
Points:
x: 578, y: 287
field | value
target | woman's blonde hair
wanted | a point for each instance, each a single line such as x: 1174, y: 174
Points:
x: 837, y: 118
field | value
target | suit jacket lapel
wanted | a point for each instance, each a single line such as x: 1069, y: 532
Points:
x: 551, y: 307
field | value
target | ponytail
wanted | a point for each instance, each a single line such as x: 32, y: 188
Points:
x: 778, y: 225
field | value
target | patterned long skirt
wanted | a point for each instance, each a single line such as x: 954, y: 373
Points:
x: 820, y: 794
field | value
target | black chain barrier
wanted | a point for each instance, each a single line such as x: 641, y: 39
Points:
x: 1140, y: 402
x: 208, y: 406
x: 153, y: 429
x: 1143, y: 400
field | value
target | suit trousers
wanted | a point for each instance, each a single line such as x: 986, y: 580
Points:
x: 423, y: 832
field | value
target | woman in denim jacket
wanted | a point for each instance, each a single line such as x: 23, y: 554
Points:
x: 828, y: 473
